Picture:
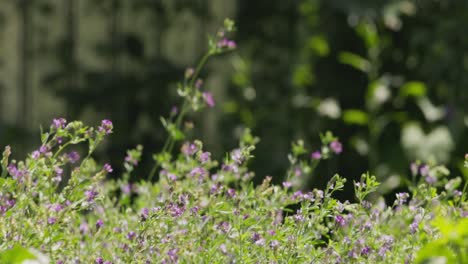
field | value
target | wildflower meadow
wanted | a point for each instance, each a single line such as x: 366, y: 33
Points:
x: 59, y: 205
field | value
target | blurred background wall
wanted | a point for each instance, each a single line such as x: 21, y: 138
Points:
x: 388, y: 77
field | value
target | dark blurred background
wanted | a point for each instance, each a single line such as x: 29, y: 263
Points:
x: 388, y: 77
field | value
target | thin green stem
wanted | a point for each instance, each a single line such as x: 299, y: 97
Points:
x: 170, y: 142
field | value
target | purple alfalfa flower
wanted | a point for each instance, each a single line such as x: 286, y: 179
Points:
x: 198, y: 171
x: 223, y: 249
x: 131, y: 235
x: 10, y: 203
x: 208, y: 97
x: 144, y: 213
x: 431, y: 179
x: 131, y: 160
x: 299, y: 217
x: 172, y: 253
x: 99, y: 260
x: 91, y: 195
x: 36, y: 154
x: 297, y: 195
x: 59, y: 140
x: 106, y: 126
x: 224, y: 227
x: 107, y: 167
x: 401, y: 198
x: 297, y: 172
x: 457, y: 193
x: 316, y: 155
x: 215, y: 188
x: 205, y: 157
x: 231, y: 193
x: 287, y: 184
x: 60, y: 262
x: 340, y: 220
x: 44, y: 149
x: 13, y: 170
x: 176, y: 210
x: 59, y: 123
x: 352, y: 254
x: 126, y: 188
x: 236, y: 156
x: 257, y: 239
x: 383, y: 251
x: 414, y: 227
x: 198, y: 83
x: 99, y: 223
x: 424, y: 170
x: 189, y: 148
x: 336, y: 147
x: 73, y: 157
x: 84, y: 227
x: 51, y: 220
x: 57, y: 207
x: 172, y: 176
x: 226, y: 43
x: 58, y: 171
x: 365, y: 251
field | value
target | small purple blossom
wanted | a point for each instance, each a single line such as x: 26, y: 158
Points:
x: 36, y: 154
x: 189, y: 149
x: 84, y: 228
x: 59, y: 123
x: 131, y: 235
x: 274, y: 244
x: 231, y: 193
x: 91, y: 195
x: 226, y: 43
x: 402, y: 198
x: 106, y: 126
x: 340, y: 220
x: 223, y: 248
x: 199, y: 84
x: 365, y: 250
x: 174, y: 110
x: 99, y: 223
x: 316, y: 155
x: 144, y: 213
x: 73, y: 157
x: 208, y: 97
x: 108, y: 168
x: 424, y: 170
x: 99, y: 260
x: 205, y: 157
x: 51, y: 220
x: 336, y: 147
x: 287, y: 184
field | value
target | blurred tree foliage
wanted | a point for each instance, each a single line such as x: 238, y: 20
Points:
x: 388, y: 77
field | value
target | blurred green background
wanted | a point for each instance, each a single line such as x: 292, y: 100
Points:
x: 388, y: 77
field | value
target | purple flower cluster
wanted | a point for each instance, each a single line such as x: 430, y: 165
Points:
x: 59, y: 123
x: 208, y: 97
x: 106, y: 126
x: 226, y: 43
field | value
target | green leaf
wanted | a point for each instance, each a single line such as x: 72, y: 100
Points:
x: 16, y: 255
x: 320, y: 45
x: 368, y: 33
x: 413, y: 89
x: 355, y: 117
x: 355, y: 61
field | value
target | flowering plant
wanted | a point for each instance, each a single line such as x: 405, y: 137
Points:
x: 57, y: 207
